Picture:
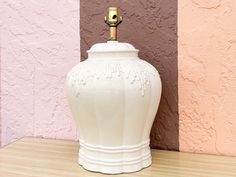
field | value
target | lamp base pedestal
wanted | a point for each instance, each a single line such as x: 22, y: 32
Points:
x: 115, y: 160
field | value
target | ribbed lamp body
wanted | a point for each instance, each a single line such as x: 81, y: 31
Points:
x: 114, y: 97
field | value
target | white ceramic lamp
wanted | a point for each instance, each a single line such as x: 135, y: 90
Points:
x: 114, y: 96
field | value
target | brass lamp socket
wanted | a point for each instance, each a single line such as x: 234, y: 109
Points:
x: 113, y: 20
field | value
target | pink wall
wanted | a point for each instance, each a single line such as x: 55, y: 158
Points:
x: 40, y: 43
x: 0, y: 90
x: 207, y: 76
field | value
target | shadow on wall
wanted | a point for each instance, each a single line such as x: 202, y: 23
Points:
x: 151, y: 26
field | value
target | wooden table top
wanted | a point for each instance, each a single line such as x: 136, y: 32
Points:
x: 37, y: 157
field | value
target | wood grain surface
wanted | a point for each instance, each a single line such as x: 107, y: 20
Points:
x: 37, y: 157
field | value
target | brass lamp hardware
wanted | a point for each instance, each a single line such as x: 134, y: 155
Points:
x: 113, y: 20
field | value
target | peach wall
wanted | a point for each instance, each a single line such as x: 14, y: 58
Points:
x: 39, y: 44
x: 207, y: 76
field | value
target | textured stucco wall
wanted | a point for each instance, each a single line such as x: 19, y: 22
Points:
x: 39, y: 44
x: 150, y: 26
x: 207, y: 76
